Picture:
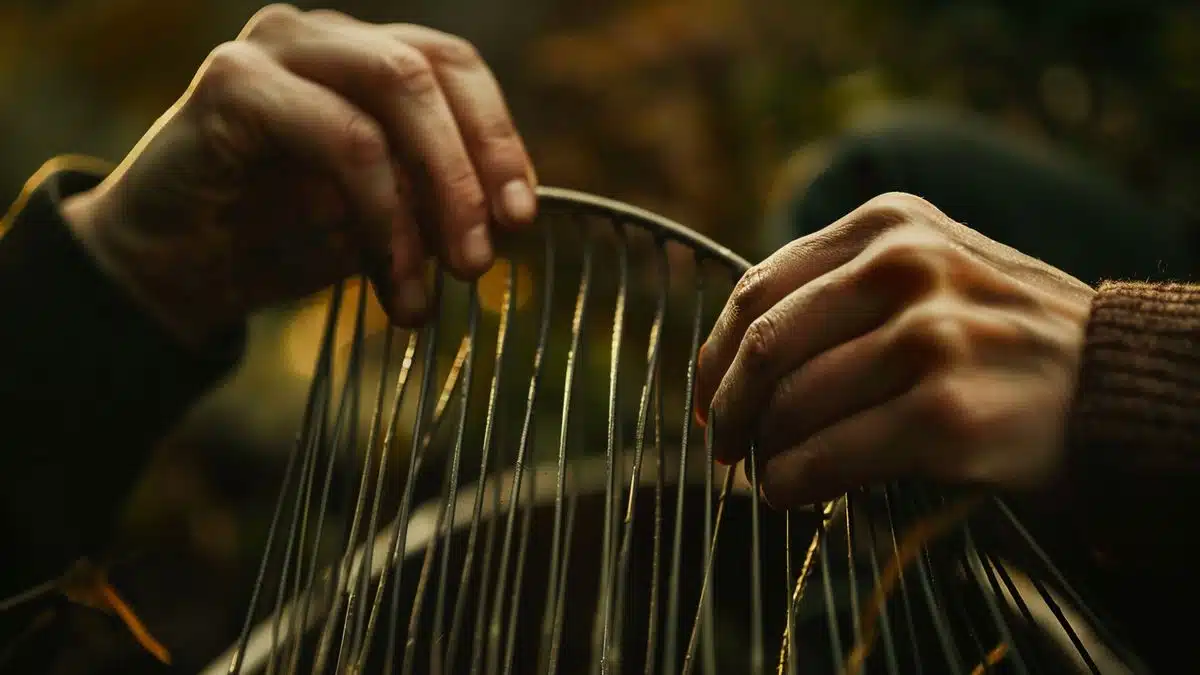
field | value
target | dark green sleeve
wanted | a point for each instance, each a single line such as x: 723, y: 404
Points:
x: 88, y: 384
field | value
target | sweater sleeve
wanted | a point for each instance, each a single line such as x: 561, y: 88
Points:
x: 1134, y: 435
x: 89, y: 384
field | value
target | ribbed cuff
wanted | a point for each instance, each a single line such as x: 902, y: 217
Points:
x: 1138, y: 402
x: 1134, y: 434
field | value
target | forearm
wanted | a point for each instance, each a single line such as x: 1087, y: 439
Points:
x: 88, y: 384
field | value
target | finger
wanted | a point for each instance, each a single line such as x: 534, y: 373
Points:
x: 251, y: 103
x: 768, y: 282
x: 835, y: 385
x: 409, y: 298
x: 821, y: 315
x: 870, y: 447
x: 397, y: 84
x: 483, y: 117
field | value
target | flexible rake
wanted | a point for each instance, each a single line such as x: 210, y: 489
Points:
x: 518, y: 487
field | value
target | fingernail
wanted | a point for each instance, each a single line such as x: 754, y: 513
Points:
x: 520, y: 204
x: 411, y: 297
x: 476, y: 249
x: 699, y: 410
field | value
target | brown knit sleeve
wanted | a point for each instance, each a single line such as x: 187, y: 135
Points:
x: 1134, y: 432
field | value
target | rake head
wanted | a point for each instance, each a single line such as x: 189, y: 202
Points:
x: 518, y: 487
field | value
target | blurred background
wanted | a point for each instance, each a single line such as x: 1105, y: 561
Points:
x: 707, y: 111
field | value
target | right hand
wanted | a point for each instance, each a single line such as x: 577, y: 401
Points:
x: 306, y: 150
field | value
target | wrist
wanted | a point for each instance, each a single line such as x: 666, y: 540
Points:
x: 162, y: 284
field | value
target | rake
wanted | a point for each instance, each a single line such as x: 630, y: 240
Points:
x: 518, y: 487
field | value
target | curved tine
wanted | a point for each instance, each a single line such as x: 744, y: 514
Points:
x: 343, y: 437
x: 710, y: 535
x: 539, y: 357
x: 972, y: 563
x: 354, y: 627
x: 294, y: 457
x: 852, y: 577
x: 1072, y: 595
x: 325, y: 642
x: 486, y: 453
x: 835, y: 636
x: 585, y: 477
x: 466, y: 381
x: 757, y: 655
x: 652, y: 356
x: 311, y: 432
x: 660, y: 227
x: 955, y: 601
x: 656, y: 555
x: 802, y: 579
x: 558, y: 578
x: 670, y: 640
x: 880, y: 608
x: 431, y: 550
x: 710, y: 556
x: 430, y: 332
x: 459, y: 372
x: 519, y: 573
x: 935, y: 603
x: 607, y: 583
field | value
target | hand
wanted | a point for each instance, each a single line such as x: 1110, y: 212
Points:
x: 895, y: 343
x: 306, y: 150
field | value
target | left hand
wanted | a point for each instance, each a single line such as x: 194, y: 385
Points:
x: 895, y: 343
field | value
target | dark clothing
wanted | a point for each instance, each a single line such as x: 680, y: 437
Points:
x: 89, y: 384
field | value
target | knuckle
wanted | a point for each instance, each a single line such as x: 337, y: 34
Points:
x: 759, y: 343
x: 226, y: 63
x: 748, y: 292
x: 934, y: 339
x: 272, y: 19
x: 452, y: 50
x: 911, y: 259
x: 363, y: 141
x: 405, y: 69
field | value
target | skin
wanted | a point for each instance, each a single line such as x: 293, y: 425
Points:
x: 895, y: 343
x: 311, y: 147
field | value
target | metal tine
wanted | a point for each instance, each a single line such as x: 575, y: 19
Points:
x: 348, y: 594
x: 459, y: 379
x: 906, y: 599
x: 802, y: 578
x: 757, y: 655
x: 519, y: 572
x: 852, y: 506
x: 431, y: 551
x: 787, y: 655
x: 354, y: 628
x: 831, y: 615
x: 342, y: 438
x: 924, y: 574
x: 656, y: 555
x: 975, y: 568
x: 705, y: 622
x: 310, y: 434
x: 574, y: 355
x: 523, y: 449
x: 607, y: 569
x: 670, y: 639
x: 295, y: 457
x: 507, y: 307
x: 880, y: 607
x: 560, y: 601
x: 652, y: 357
x: 400, y: 532
x: 493, y: 532
x: 466, y: 381
x: 1072, y: 595
x: 702, y: 614
x: 941, y: 567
